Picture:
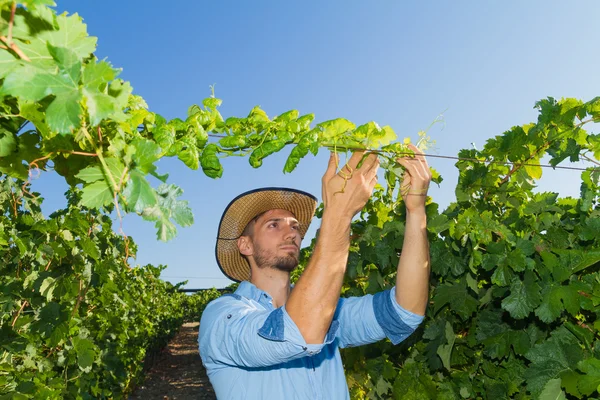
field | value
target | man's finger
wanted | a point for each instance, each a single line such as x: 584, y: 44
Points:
x: 411, y: 167
x: 355, y: 159
x: 331, y: 166
x: 372, y: 161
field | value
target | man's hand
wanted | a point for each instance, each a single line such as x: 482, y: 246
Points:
x: 347, y: 191
x: 415, y: 181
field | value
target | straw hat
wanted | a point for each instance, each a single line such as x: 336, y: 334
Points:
x: 243, y: 209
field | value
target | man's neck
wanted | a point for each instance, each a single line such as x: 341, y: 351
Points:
x: 274, y: 282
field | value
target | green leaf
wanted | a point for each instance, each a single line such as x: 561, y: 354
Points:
x: 8, y: 143
x: 415, y: 383
x: 551, y: 358
x: 234, y: 141
x: 99, y: 105
x: 516, y: 260
x: 71, y: 34
x: 138, y: 193
x: 146, y: 154
x: 212, y: 103
x: 96, y: 75
x: 578, y: 260
x: 86, y: 353
x: 210, y: 161
x: 524, y: 296
x: 287, y: 116
x: 551, y: 307
x: 590, y: 382
x: 457, y: 296
x: 31, y: 112
x: 168, y: 208
x: 47, y: 288
x: 68, y: 62
x: 89, y: 247
x: 63, y: 113
x: 385, y: 136
x: 116, y: 168
x: 189, y: 152
x: 90, y: 174
x: 331, y: 130
x: 27, y: 83
x: 552, y: 391
x: 96, y: 195
x: 164, y: 136
x: 258, y: 115
x: 445, y: 350
x: 533, y: 168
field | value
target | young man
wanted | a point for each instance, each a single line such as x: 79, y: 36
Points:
x: 270, y: 340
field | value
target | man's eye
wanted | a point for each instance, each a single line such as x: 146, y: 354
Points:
x: 273, y: 224
x: 296, y: 227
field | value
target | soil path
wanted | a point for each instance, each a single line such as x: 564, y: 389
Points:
x: 178, y: 372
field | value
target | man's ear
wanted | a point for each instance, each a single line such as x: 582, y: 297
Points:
x: 245, y: 245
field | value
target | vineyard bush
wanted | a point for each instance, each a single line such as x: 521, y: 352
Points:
x: 77, y: 321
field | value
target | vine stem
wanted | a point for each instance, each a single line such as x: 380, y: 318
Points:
x: 80, y: 297
x: 517, y: 167
x: 13, y: 10
x: 14, y: 203
x: 121, y: 231
x: 590, y: 159
x: 14, y: 321
x: 8, y: 40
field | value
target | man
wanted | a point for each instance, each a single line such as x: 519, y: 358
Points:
x: 270, y: 340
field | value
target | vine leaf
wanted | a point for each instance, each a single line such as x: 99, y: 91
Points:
x: 8, y: 143
x: 445, y: 351
x: 168, y: 208
x: 96, y: 195
x: 552, y: 391
x: 457, y: 296
x: 524, y: 296
x: 86, y: 353
x: 551, y: 358
x: 139, y: 193
x: 590, y: 382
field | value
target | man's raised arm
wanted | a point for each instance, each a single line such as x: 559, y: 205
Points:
x: 313, y: 301
x: 412, y: 280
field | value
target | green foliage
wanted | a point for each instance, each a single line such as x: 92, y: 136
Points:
x: 76, y: 321
x: 515, y: 294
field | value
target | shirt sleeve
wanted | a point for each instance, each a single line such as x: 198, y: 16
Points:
x: 236, y: 333
x: 370, y: 318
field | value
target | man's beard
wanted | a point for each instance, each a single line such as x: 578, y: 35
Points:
x: 266, y: 259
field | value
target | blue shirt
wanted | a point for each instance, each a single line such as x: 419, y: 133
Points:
x: 252, y: 350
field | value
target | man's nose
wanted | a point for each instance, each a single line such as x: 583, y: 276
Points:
x: 292, y: 233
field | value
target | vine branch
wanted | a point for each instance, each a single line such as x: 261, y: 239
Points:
x: 14, y: 321
x: 8, y: 41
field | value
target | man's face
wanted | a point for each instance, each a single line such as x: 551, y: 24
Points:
x: 276, y: 240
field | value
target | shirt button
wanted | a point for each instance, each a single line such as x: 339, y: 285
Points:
x: 228, y: 316
x: 304, y: 348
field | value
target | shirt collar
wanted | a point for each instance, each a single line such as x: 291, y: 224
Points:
x: 250, y: 291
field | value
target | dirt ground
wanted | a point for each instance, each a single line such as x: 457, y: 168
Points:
x: 177, y: 372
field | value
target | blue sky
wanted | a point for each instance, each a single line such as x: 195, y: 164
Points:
x: 483, y: 64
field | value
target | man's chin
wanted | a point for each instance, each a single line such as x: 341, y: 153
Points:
x: 287, y: 265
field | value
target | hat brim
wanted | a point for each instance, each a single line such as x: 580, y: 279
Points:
x: 243, y: 209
